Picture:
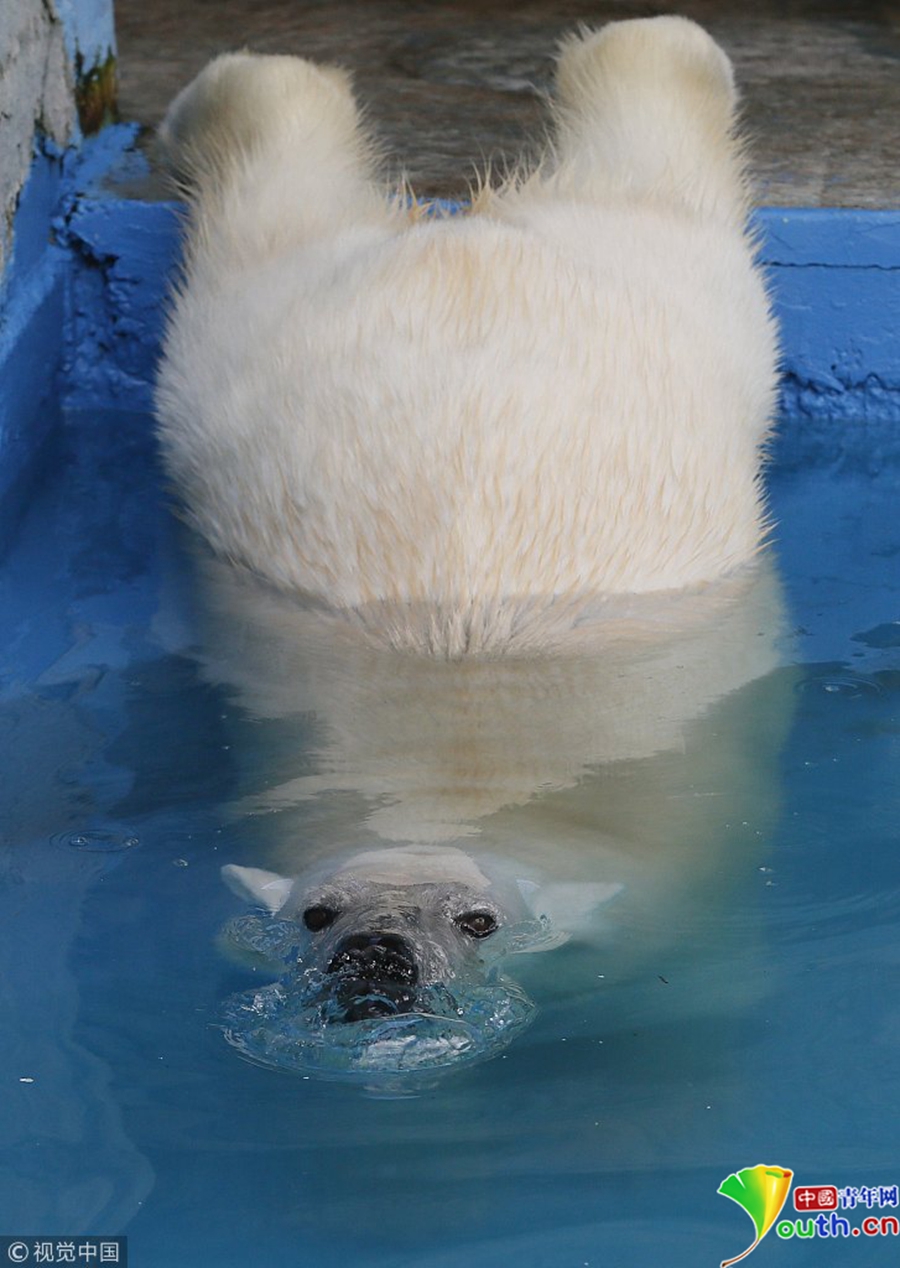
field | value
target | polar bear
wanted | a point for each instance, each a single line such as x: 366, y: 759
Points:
x: 526, y: 440
x: 453, y: 426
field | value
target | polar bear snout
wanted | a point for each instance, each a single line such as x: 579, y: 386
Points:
x: 388, y: 965
x: 374, y: 975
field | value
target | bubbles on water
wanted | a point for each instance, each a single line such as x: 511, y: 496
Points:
x: 300, y: 1023
x: 278, y: 1027
x: 97, y: 840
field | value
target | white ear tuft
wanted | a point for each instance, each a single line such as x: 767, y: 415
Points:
x: 255, y: 885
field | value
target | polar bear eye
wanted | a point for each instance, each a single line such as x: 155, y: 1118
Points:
x: 319, y: 917
x: 477, y: 924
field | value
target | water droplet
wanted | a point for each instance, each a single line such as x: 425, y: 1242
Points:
x: 851, y: 686
x: 97, y: 840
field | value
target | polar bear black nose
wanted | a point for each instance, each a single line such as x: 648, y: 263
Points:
x: 376, y: 957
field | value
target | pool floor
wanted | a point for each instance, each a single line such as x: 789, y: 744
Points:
x: 602, y: 1134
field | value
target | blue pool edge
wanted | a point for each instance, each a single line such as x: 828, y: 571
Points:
x: 83, y: 300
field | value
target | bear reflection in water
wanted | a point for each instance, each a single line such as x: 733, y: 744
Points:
x: 418, y: 828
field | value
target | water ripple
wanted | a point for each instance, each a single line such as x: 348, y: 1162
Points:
x: 97, y: 840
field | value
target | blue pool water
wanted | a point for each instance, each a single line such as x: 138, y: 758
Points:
x: 740, y: 1005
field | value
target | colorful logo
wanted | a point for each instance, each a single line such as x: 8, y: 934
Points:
x: 816, y: 1197
x: 762, y: 1192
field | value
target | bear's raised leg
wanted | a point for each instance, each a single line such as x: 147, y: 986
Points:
x: 646, y: 112
x: 270, y: 153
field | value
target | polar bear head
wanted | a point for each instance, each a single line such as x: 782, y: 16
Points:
x: 390, y: 962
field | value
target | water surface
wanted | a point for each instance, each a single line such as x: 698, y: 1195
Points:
x: 735, y: 1004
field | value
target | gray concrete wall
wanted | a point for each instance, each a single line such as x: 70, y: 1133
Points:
x: 36, y: 90
x: 50, y: 53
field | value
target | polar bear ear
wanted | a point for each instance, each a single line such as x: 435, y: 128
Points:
x: 255, y: 885
x: 568, y: 908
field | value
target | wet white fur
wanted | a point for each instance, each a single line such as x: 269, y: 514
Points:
x: 561, y: 395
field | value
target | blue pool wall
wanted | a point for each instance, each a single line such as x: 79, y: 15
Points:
x: 57, y: 59
x: 83, y: 300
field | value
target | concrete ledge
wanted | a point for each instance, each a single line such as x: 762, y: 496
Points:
x: 36, y: 329
x: 123, y: 255
x: 834, y: 277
